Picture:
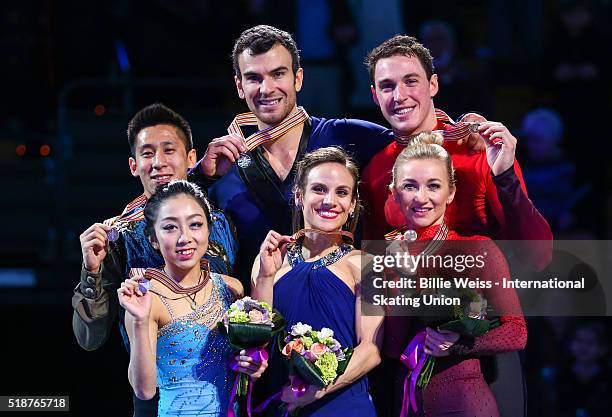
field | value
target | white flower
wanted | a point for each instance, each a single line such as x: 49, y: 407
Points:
x: 325, y: 333
x: 300, y: 329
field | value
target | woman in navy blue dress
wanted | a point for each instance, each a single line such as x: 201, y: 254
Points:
x: 315, y: 279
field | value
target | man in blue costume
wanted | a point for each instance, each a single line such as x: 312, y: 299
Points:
x: 162, y: 150
x: 256, y: 191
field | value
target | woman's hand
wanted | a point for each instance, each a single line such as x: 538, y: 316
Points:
x: 437, y: 343
x: 134, y: 301
x: 295, y: 397
x: 272, y: 252
x: 248, y: 365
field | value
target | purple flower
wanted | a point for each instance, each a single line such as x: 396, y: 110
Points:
x: 336, y: 346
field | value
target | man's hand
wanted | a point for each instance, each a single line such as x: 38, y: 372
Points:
x: 501, y: 146
x: 94, y: 246
x: 474, y: 141
x: 221, y: 154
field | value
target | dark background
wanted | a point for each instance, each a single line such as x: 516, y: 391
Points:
x: 73, y: 73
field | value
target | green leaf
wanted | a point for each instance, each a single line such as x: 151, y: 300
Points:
x: 221, y: 328
x: 348, y: 353
x: 306, y: 370
x: 279, y: 322
x: 246, y: 335
x: 467, y: 326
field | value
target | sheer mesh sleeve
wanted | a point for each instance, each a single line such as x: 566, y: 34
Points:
x: 511, y: 334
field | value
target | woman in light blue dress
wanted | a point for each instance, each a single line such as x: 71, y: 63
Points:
x: 172, y: 326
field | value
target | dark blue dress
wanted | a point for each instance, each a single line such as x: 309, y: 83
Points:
x: 312, y: 294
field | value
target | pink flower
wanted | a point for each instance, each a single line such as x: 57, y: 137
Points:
x: 317, y: 349
x: 296, y: 345
x: 256, y: 317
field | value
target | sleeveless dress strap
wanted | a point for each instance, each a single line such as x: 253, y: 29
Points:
x: 165, y: 303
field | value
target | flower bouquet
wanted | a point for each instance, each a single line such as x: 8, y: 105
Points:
x: 315, y: 356
x: 466, y: 319
x: 250, y: 325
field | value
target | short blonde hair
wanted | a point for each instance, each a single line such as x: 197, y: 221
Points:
x: 426, y: 145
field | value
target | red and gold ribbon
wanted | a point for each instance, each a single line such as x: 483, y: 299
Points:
x: 346, y: 235
x: 267, y: 134
x: 159, y: 275
x: 459, y: 130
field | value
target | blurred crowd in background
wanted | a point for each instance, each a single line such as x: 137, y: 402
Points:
x: 74, y: 73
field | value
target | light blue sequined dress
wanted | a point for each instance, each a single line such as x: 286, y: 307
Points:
x: 192, y: 359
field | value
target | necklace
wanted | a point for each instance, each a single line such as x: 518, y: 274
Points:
x: 295, y: 255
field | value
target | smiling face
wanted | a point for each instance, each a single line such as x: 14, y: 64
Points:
x: 268, y: 84
x: 181, y: 233
x: 404, y: 94
x: 160, y: 156
x: 327, y: 198
x: 423, y: 191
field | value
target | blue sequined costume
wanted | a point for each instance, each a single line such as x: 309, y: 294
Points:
x: 192, y: 359
x: 95, y: 314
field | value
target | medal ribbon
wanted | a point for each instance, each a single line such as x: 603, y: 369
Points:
x: 128, y: 214
x: 134, y: 211
x: 268, y: 134
x: 345, y: 234
x: 159, y: 275
x: 459, y: 130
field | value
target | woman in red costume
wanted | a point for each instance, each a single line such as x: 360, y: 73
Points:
x: 423, y: 185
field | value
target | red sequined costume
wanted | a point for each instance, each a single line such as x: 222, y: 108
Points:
x: 457, y: 386
x: 497, y: 207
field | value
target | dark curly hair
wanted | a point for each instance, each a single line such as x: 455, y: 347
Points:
x: 259, y: 40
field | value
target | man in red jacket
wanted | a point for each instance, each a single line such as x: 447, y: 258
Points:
x: 491, y: 197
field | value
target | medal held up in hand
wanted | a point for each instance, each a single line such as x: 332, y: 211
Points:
x: 113, y: 234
